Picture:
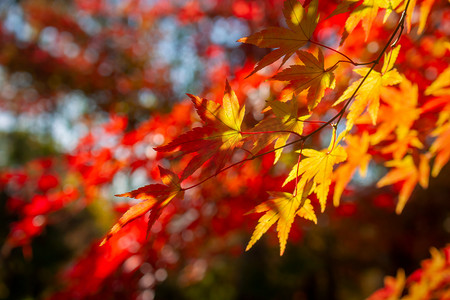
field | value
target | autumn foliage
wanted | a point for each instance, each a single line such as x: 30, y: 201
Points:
x: 328, y: 95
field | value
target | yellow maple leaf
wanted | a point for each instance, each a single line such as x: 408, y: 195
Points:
x: 318, y: 168
x: 301, y: 25
x: 311, y: 75
x: 366, y: 13
x: 282, y: 210
x: 368, y: 95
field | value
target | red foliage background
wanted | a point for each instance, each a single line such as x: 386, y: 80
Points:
x: 89, y: 88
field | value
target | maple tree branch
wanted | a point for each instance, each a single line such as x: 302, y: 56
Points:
x: 338, y: 116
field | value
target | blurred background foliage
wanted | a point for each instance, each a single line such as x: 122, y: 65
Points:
x: 67, y: 66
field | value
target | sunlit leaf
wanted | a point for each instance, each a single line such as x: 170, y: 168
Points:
x: 317, y: 166
x: 154, y: 198
x: 301, y: 23
x: 217, y: 140
x: 282, y: 210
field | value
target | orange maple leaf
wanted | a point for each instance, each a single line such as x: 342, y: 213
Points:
x: 301, y: 25
x: 425, y: 9
x: 356, y: 149
x: 217, y: 140
x: 318, y: 168
x: 398, y: 112
x: 408, y: 172
x: 311, y: 75
x: 441, y: 147
x: 393, y: 287
x: 366, y: 13
x: 154, y: 198
x: 286, y: 121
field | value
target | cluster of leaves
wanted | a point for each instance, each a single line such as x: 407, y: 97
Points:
x: 431, y: 281
x: 213, y: 146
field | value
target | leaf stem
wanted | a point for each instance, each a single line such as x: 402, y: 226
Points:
x: 274, y: 131
x: 334, y: 50
x: 399, y: 26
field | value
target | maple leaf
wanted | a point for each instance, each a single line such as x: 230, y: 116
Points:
x: 393, y: 287
x: 405, y: 139
x: 301, y: 25
x: 282, y: 210
x: 154, y: 198
x: 364, y: 13
x: 410, y: 173
x: 217, y: 139
x: 343, y: 7
x: 357, y: 147
x: 425, y: 8
x: 318, y: 167
x: 440, y: 86
x: 409, y: 12
x: 286, y: 121
x: 368, y: 95
x: 311, y: 75
x: 390, y: 6
x: 399, y: 112
x: 441, y: 147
